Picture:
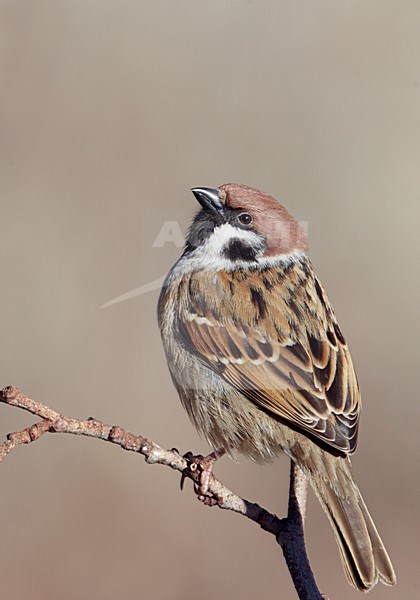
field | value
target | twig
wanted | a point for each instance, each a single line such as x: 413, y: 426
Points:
x: 288, y: 531
x: 291, y: 537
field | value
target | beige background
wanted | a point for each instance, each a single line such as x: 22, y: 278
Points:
x: 111, y: 111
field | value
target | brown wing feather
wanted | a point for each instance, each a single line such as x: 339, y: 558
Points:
x: 275, y: 338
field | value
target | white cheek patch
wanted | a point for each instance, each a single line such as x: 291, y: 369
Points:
x: 211, y: 254
x: 224, y: 234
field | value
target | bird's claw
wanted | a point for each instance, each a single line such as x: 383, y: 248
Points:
x: 201, y: 467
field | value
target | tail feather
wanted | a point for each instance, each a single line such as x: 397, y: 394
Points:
x: 364, y: 557
x: 383, y: 563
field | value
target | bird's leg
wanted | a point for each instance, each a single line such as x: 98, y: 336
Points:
x: 204, y: 465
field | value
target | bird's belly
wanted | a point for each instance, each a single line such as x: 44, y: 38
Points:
x: 225, y: 417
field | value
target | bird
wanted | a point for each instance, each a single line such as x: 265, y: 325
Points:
x: 260, y: 363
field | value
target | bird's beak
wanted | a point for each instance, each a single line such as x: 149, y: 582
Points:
x: 209, y: 199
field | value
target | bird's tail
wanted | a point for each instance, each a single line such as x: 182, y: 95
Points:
x: 363, y: 554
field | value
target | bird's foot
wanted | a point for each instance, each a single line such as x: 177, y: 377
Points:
x: 200, y: 469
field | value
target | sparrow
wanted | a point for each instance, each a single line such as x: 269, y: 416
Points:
x: 259, y: 360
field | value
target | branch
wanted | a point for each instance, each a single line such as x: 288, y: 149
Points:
x: 288, y: 531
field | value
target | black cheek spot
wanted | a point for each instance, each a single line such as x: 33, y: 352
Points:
x: 238, y: 250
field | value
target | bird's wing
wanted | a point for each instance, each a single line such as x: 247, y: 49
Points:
x: 274, y: 337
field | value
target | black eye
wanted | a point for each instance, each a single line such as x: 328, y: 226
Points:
x: 245, y: 218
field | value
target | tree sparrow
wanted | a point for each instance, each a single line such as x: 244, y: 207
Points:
x: 260, y: 363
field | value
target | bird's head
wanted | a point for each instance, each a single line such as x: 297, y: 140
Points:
x: 239, y: 226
